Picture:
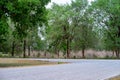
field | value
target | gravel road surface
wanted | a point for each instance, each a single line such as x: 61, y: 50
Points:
x: 78, y: 69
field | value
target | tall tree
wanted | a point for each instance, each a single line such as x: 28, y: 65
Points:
x: 109, y: 11
x: 25, y: 15
x: 71, y: 27
x: 82, y: 23
x: 59, y: 19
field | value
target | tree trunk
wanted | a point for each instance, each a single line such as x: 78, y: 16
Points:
x: 113, y: 53
x: 24, y: 49
x: 83, y: 52
x: 45, y: 54
x: 29, y: 51
x: 68, y: 49
x: 13, y: 49
x: 117, y: 53
x: 57, y: 52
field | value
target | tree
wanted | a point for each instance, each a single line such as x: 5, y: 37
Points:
x: 4, y: 36
x: 26, y: 15
x: 83, y: 27
x: 3, y: 24
x: 70, y: 27
x: 59, y: 19
x: 109, y: 13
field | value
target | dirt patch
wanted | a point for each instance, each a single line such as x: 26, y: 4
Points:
x: 8, y: 62
x: 114, y: 78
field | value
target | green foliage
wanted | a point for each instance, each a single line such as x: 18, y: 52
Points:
x: 70, y: 27
x: 24, y: 16
x: 108, y: 11
x: 4, y: 55
x: 4, y: 36
x: 3, y: 31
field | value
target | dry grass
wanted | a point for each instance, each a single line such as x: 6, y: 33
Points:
x: 115, y: 78
x: 8, y: 62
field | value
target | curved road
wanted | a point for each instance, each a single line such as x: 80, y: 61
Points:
x: 78, y: 69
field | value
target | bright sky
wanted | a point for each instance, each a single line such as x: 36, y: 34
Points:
x: 61, y: 2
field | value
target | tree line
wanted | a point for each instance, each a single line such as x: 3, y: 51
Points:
x: 80, y: 25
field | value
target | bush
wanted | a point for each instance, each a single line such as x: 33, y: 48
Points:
x: 74, y: 57
x: 4, y: 55
x: 95, y: 56
x: 109, y: 57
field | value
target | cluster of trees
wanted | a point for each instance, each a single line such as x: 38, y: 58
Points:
x: 19, y: 23
x: 83, y: 25
x: 77, y: 26
x: 71, y: 27
x: 107, y: 15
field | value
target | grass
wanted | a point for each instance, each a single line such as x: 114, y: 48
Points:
x: 115, y: 78
x: 11, y: 62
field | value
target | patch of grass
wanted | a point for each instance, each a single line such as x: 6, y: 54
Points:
x: 12, y: 62
x: 60, y: 62
x: 114, y: 78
